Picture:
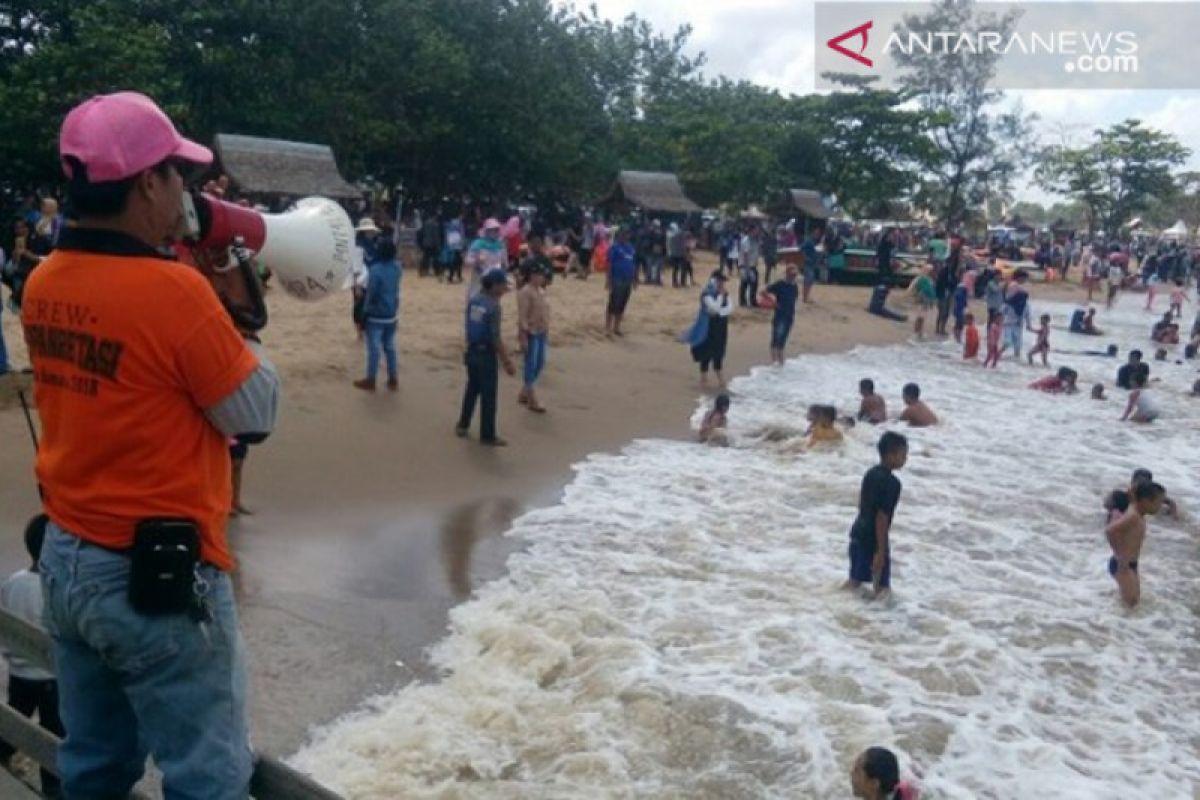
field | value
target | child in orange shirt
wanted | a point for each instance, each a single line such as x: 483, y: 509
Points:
x: 994, y: 329
x: 971, y: 338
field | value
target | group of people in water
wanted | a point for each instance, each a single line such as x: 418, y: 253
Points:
x: 880, y: 492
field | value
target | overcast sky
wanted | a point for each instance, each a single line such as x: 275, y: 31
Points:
x: 770, y: 42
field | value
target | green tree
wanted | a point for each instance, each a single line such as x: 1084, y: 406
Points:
x: 1117, y: 175
x: 91, y: 48
x: 977, y: 147
x: 863, y: 144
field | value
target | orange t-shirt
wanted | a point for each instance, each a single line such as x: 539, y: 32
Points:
x: 127, y: 352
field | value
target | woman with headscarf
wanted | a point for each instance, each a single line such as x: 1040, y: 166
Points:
x: 485, y: 254
x: 709, y: 334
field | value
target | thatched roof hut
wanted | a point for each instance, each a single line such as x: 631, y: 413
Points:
x: 278, y: 167
x: 649, y: 191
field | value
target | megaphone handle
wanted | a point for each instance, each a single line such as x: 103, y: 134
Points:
x: 254, y: 318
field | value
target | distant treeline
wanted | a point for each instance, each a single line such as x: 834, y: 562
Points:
x: 492, y: 99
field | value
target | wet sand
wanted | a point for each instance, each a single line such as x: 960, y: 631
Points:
x: 373, y: 520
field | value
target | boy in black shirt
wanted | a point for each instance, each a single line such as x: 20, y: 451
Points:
x: 1125, y: 373
x: 786, y: 293
x: 870, y: 558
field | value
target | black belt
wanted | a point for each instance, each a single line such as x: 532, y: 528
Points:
x: 125, y: 551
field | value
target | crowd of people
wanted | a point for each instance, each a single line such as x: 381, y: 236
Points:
x: 147, y: 651
x: 948, y: 283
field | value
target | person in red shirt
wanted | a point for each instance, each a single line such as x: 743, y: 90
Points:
x: 970, y: 338
x: 1062, y: 382
x: 140, y: 378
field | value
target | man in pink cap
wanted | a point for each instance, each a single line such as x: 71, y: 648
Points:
x: 141, y: 379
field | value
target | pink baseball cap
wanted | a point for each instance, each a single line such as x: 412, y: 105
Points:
x: 116, y: 136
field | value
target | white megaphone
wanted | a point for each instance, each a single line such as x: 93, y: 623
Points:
x: 309, y: 249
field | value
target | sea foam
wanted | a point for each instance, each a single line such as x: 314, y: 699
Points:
x: 674, y: 628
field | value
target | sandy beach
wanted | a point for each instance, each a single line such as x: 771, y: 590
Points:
x: 372, y: 520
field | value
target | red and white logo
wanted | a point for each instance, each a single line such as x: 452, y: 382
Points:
x: 836, y: 43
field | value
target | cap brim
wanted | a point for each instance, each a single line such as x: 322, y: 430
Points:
x: 195, y: 153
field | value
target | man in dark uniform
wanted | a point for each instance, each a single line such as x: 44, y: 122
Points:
x: 485, y: 351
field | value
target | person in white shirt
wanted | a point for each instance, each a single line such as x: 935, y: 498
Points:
x: 30, y: 688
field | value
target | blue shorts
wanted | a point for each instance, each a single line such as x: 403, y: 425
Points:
x: 1113, y: 564
x: 780, y: 330
x: 860, y: 565
x: 1012, y: 336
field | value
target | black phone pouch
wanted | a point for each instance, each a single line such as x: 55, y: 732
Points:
x: 162, y: 577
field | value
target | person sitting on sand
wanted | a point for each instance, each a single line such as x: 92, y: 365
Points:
x: 870, y: 551
x: 876, y: 776
x: 872, y: 409
x: 1126, y: 534
x: 823, y: 428
x: 1063, y: 382
x: 1098, y: 391
x: 916, y: 413
x: 1142, y: 406
x: 712, y: 428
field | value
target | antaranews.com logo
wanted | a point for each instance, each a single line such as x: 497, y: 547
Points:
x: 1085, y: 51
x: 1048, y: 45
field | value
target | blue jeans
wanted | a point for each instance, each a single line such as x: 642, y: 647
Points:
x: 3, y: 349
x: 781, y: 327
x: 535, y: 358
x: 132, y: 685
x: 381, y: 336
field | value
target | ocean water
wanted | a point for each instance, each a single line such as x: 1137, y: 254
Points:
x: 675, y: 627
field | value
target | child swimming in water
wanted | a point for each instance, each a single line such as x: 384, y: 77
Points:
x: 1062, y: 382
x: 873, y: 408
x: 823, y: 428
x: 1098, y: 391
x: 1126, y: 534
x: 712, y: 428
x: 876, y: 776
